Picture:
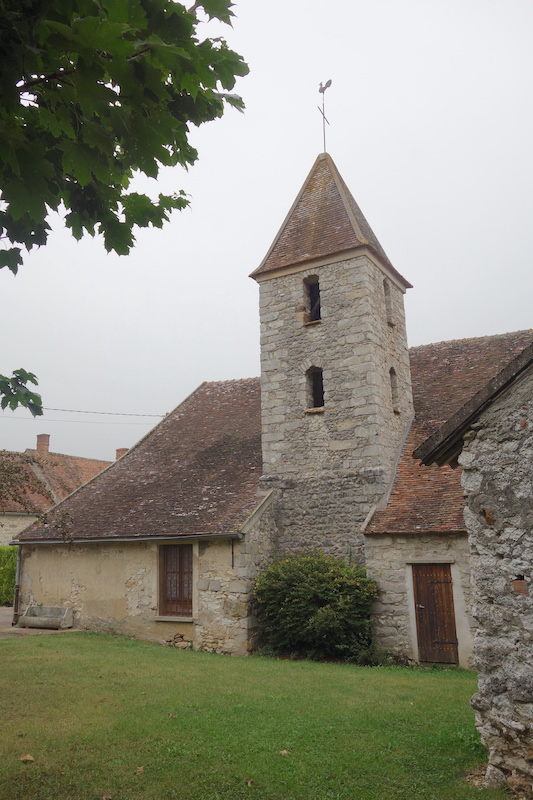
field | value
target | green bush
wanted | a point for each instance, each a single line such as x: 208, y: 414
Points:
x: 8, y: 568
x: 315, y: 606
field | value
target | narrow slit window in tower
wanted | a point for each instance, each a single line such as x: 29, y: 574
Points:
x: 315, y: 384
x: 388, y: 302
x: 394, y: 390
x: 312, y: 289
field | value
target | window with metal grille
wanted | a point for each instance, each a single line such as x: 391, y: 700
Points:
x: 175, y: 580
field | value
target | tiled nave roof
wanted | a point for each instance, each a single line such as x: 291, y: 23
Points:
x: 444, y: 376
x: 196, y: 473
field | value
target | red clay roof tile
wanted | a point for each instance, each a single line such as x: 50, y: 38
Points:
x: 444, y: 376
x: 323, y: 221
x: 51, y: 478
x: 196, y: 472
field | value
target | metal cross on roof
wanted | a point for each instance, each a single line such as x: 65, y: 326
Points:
x: 322, y: 90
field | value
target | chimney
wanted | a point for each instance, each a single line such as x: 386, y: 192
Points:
x: 43, y: 443
x: 121, y: 451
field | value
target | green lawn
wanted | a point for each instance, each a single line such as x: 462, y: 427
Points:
x: 110, y: 717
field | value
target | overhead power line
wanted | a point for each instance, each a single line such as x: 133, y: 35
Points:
x: 106, y: 413
x: 40, y: 420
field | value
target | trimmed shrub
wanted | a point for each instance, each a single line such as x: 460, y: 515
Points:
x: 8, y: 569
x: 315, y: 606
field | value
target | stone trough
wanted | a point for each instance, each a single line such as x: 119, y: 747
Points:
x: 55, y: 617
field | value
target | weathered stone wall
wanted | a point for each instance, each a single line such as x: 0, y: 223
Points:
x: 113, y: 587
x: 330, y: 466
x: 389, y: 560
x: 225, y: 620
x: 11, y: 524
x: 497, y: 465
x: 325, y: 512
x: 356, y: 347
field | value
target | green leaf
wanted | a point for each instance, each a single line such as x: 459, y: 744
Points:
x: 12, y: 259
x: 15, y: 393
x: 117, y: 236
x: 219, y: 9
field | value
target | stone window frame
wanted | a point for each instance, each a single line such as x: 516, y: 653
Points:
x: 312, y: 300
x: 315, y: 389
x: 175, y: 563
x: 388, y: 302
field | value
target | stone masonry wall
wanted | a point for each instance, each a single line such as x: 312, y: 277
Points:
x: 497, y: 465
x: 325, y: 512
x: 330, y: 466
x: 389, y: 559
x: 356, y: 347
x: 225, y: 620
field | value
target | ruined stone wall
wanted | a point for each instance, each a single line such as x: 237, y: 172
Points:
x: 497, y: 465
x: 389, y: 560
x: 330, y: 465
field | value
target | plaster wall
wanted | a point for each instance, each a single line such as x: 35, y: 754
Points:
x: 12, y: 523
x: 113, y: 587
x: 389, y: 560
x: 497, y: 462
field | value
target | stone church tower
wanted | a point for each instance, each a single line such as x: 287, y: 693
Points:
x: 335, y: 383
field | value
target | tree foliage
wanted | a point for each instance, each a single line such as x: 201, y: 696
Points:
x: 8, y: 569
x: 316, y: 606
x: 91, y: 93
x: 14, y: 392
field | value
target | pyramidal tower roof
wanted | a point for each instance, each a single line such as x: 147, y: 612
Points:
x: 324, y: 221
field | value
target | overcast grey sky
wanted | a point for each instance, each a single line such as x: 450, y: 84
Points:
x: 432, y: 130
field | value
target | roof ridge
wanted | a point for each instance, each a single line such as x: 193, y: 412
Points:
x: 65, y: 455
x: 473, y: 338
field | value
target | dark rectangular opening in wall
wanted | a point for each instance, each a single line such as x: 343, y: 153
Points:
x: 312, y: 298
x: 316, y: 386
x: 314, y: 302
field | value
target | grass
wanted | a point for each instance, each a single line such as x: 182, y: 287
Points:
x: 93, y: 709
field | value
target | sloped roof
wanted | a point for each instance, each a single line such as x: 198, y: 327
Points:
x: 444, y: 376
x: 63, y: 474
x: 446, y: 443
x: 324, y: 220
x: 51, y: 478
x: 196, y: 473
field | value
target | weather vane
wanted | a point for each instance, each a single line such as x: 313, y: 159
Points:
x: 322, y: 90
